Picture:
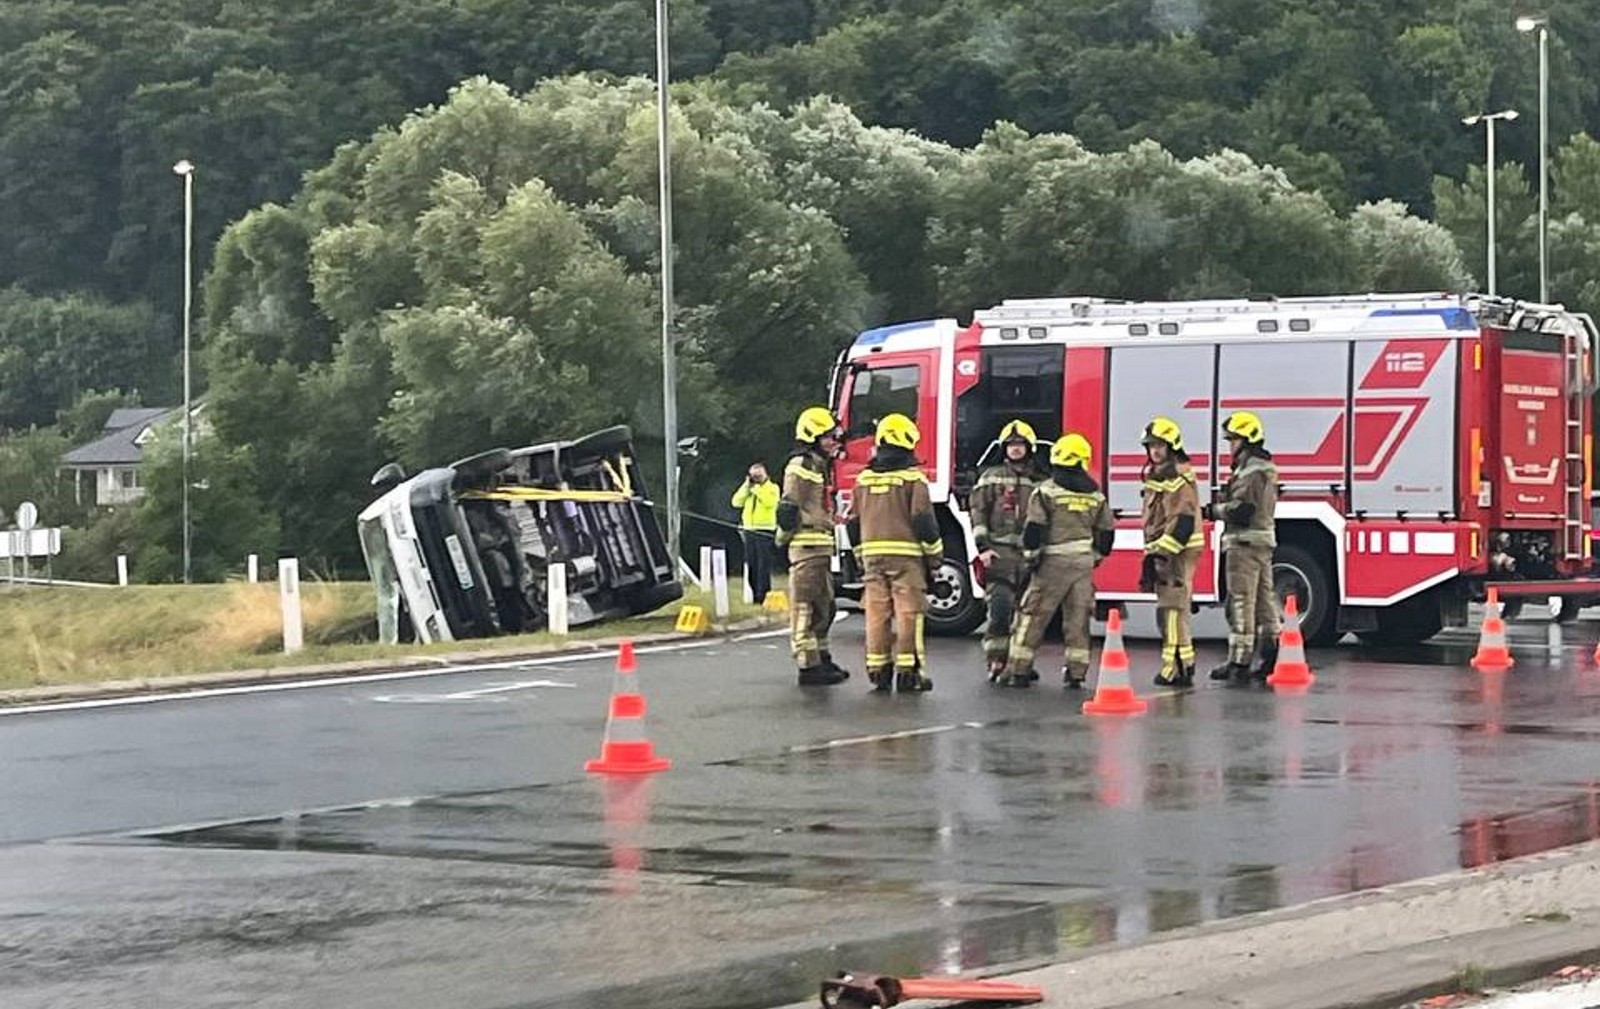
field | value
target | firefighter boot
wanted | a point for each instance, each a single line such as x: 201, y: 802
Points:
x: 996, y: 668
x: 1269, y: 661
x: 1072, y: 677
x: 911, y: 681
x: 834, y: 667
x: 881, y: 679
x: 1186, y: 676
x: 822, y: 676
x: 1231, y: 671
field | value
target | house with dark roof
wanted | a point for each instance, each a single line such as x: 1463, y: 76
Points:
x: 113, y: 459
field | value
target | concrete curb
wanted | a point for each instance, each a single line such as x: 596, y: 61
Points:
x: 1368, y: 950
x: 439, y: 662
x: 1496, y: 958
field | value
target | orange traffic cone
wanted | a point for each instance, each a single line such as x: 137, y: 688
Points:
x: 626, y: 749
x: 1113, y: 693
x: 1596, y: 656
x: 1492, y: 650
x: 1291, y: 669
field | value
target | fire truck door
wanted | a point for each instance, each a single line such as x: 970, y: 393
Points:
x: 884, y: 384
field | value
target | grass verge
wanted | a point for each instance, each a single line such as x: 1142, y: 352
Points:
x: 60, y: 635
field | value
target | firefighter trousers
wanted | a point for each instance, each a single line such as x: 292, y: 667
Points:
x: 1174, y: 612
x: 811, y: 608
x: 1252, y: 603
x: 894, y: 596
x: 1000, y: 586
x: 1066, y: 582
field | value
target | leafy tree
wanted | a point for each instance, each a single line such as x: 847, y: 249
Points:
x: 30, y: 470
x: 226, y: 518
x: 54, y: 349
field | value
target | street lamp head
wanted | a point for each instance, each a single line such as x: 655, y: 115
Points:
x: 1488, y: 117
x: 1508, y: 115
x: 1532, y: 22
x: 183, y: 168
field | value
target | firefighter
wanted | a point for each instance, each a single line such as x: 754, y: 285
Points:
x: 1172, y: 543
x: 805, y: 527
x: 896, y: 537
x: 1246, y: 511
x: 998, y: 505
x: 1067, y: 533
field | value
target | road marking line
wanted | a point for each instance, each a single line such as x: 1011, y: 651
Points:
x: 495, y: 693
x: 344, y: 681
x: 834, y: 744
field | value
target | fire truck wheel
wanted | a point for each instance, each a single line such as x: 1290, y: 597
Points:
x: 1299, y: 571
x: 952, y: 608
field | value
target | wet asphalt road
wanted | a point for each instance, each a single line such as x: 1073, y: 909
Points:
x: 234, y: 850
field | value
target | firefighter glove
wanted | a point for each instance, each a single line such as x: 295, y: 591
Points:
x: 1147, y: 574
x: 1241, y: 513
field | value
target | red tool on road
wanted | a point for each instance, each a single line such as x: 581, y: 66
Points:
x: 859, y: 991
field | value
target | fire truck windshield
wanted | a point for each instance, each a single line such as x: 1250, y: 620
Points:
x: 877, y: 392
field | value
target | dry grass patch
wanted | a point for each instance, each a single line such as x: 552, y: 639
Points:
x: 78, y: 635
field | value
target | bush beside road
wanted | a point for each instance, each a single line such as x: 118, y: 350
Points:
x: 59, y: 636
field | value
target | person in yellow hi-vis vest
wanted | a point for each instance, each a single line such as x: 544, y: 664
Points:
x: 1172, y: 543
x: 896, y: 537
x: 805, y: 527
x: 757, y: 501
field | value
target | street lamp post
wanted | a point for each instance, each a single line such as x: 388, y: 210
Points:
x: 1488, y: 119
x: 185, y: 169
x: 669, y: 368
x: 1541, y: 25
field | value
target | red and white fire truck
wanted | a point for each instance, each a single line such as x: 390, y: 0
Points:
x: 1427, y: 444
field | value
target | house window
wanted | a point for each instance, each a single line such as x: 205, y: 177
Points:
x: 127, y: 479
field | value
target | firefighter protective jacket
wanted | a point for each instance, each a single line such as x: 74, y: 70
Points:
x: 805, y: 522
x: 1250, y: 500
x: 1171, y: 510
x: 1067, y: 514
x: 999, y: 504
x: 892, y: 512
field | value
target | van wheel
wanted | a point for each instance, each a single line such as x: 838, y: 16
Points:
x: 1297, y: 571
x: 606, y: 441
x: 952, y: 608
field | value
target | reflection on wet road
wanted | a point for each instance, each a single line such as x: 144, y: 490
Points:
x: 1219, y: 802
x: 977, y: 826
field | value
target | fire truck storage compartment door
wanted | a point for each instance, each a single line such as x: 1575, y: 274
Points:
x: 1170, y: 381
x: 1532, y: 422
x: 1299, y: 390
x: 1404, y: 450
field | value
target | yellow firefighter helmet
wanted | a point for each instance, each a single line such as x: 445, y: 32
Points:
x: 1164, y: 430
x: 1018, y: 430
x: 814, y: 422
x: 1246, y: 425
x: 1071, y: 449
x: 898, y: 430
